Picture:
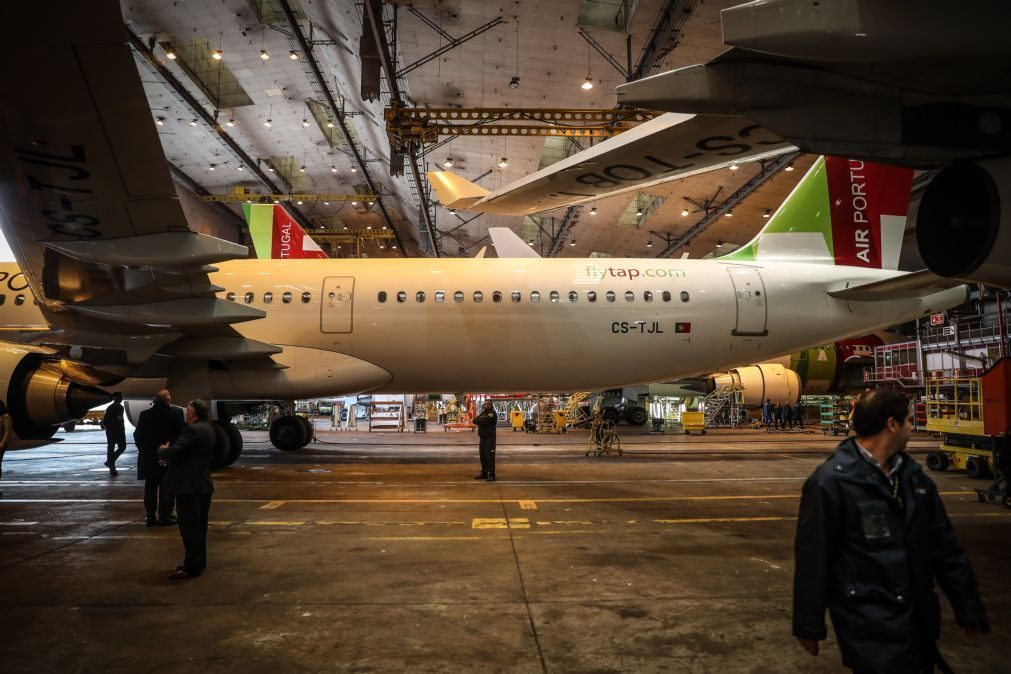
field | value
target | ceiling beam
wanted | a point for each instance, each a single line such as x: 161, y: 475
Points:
x: 454, y: 42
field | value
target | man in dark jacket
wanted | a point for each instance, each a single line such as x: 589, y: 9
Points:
x: 486, y: 422
x: 189, y: 478
x: 156, y: 426
x: 115, y: 432
x: 872, y: 535
x: 777, y: 413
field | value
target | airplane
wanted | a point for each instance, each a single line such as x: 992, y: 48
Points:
x: 133, y: 298
x: 870, y: 79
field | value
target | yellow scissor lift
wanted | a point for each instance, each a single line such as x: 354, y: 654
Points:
x: 954, y: 408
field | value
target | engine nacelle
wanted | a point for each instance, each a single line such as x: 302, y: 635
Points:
x: 962, y: 228
x: 40, y: 395
x: 760, y: 382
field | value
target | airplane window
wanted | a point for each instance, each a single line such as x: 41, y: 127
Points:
x: 19, y: 300
x: 440, y: 296
x: 535, y: 296
x: 230, y: 297
x: 517, y: 295
x: 496, y: 296
x: 610, y: 295
x: 648, y: 295
x: 248, y: 298
x: 478, y: 296
x: 684, y: 296
x: 666, y: 295
x: 629, y: 296
x: 458, y: 296
x: 419, y: 297
x: 306, y: 297
x: 573, y: 296
x: 553, y: 295
x: 401, y: 297
x: 382, y: 295
x: 286, y: 298
x: 268, y: 297
x: 591, y: 295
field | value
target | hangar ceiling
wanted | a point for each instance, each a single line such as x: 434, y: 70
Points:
x: 541, y: 43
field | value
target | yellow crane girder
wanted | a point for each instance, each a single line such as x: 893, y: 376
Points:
x: 425, y: 125
x: 264, y: 198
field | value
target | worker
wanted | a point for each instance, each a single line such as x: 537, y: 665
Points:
x: 486, y: 422
x: 872, y: 535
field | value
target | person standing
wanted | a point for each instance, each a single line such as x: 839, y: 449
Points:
x: 6, y: 431
x: 872, y: 536
x: 115, y: 432
x: 798, y: 414
x: 767, y: 413
x: 189, y: 477
x: 788, y: 415
x: 159, y: 424
x: 486, y: 422
x: 777, y: 413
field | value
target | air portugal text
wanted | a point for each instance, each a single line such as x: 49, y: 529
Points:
x: 598, y: 273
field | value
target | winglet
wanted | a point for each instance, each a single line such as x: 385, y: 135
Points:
x: 454, y: 191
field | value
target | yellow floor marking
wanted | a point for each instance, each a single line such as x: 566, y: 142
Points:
x: 528, y: 505
x: 566, y: 532
x: 500, y: 523
x: 388, y: 524
x: 429, y: 538
x: 272, y: 505
x: 547, y: 523
x: 276, y: 524
x: 710, y: 520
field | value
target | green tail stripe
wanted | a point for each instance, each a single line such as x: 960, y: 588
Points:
x: 260, y: 218
x: 806, y: 210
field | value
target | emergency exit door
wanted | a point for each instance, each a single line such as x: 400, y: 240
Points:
x: 752, y: 313
x: 337, y: 303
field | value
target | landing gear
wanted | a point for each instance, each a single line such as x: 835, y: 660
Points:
x: 227, y: 444
x: 287, y: 433
x: 234, y: 443
x: 309, y: 430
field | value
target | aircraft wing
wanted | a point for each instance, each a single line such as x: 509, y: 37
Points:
x: 86, y: 199
x: 665, y: 148
x: 508, y: 244
x: 915, y: 284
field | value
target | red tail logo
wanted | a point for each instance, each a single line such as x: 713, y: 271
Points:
x: 290, y: 240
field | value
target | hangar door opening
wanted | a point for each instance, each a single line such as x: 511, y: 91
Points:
x: 749, y: 290
x: 336, y: 308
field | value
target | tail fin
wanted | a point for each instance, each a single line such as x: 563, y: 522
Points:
x: 844, y: 211
x: 277, y: 236
x: 454, y: 191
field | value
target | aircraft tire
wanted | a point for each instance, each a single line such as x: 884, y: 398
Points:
x: 287, y: 433
x: 308, y: 428
x: 69, y: 426
x: 636, y: 416
x: 221, y: 446
x: 234, y: 442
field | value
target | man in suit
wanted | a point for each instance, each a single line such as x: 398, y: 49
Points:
x: 156, y: 426
x: 115, y: 432
x: 189, y: 477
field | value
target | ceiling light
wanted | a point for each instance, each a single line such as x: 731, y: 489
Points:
x: 354, y: 202
x: 216, y: 54
x: 384, y: 228
x: 240, y: 167
x: 193, y: 122
x: 531, y: 242
x: 766, y: 214
x: 276, y: 201
x: 333, y: 169
x: 249, y: 201
x: 329, y: 125
x: 345, y: 228
x: 293, y: 55
x: 728, y: 214
x: 268, y: 123
x: 270, y: 168
x: 719, y: 244
x: 638, y: 212
x: 394, y: 246
x: 514, y: 83
x: 372, y: 202
x: 211, y: 167
x: 160, y: 121
x: 354, y: 169
x: 301, y: 169
x: 789, y: 167
x: 572, y: 243
x: 448, y: 163
x: 170, y: 54
x: 649, y: 244
x: 593, y: 210
x: 734, y: 167
x: 587, y: 83
x: 264, y: 54
x: 299, y: 202
x: 503, y: 163
x: 305, y: 122
x: 369, y: 227
x: 326, y: 203
x: 230, y: 123
x: 684, y: 212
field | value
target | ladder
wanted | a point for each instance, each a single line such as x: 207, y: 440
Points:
x: 573, y: 411
x: 719, y: 399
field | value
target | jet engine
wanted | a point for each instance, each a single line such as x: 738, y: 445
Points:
x: 760, y: 382
x: 963, y: 228
x: 40, y: 395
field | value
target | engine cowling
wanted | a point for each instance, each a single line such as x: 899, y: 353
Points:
x: 963, y: 229
x: 40, y: 394
x: 760, y: 382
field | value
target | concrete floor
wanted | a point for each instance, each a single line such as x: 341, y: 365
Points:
x: 380, y: 553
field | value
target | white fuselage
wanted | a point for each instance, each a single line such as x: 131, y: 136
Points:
x: 766, y: 310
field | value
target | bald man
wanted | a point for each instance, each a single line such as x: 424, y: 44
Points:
x: 156, y: 426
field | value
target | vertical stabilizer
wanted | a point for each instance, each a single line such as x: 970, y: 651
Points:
x: 277, y: 236
x: 843, y: 211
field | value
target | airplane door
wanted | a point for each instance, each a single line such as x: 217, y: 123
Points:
x: 336, y: 305
x: 751, y: 306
